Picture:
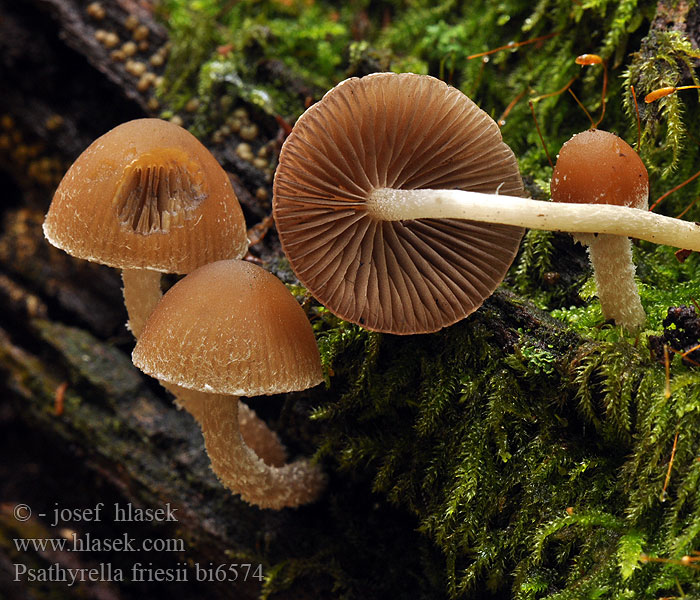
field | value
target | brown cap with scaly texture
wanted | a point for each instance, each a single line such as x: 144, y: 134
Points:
x: 230, y: 327
x: 147, y: 194
x: 403, y: 132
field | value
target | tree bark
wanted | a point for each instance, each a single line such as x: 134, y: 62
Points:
x: 80, y: 425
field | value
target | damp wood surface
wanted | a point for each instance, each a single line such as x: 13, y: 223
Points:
x: 79, y: 425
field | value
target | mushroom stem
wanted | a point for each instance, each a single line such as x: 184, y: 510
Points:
x: 141, y: 294
x: 241, y: 470
x: 611, y: 256
x: 396, y: 205
x: 256, y: 434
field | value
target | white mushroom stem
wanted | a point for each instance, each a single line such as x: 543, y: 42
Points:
x: 397, y: 205
x: 142, y: 292
x: 240, y: 469
x: 257, y: 435
x: 613, y: 269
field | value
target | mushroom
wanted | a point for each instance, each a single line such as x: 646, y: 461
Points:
x: 226, y: 330
x: 367, y: 154
x: 147, y: 197
x: 598, y: 167
x: 387, y: 132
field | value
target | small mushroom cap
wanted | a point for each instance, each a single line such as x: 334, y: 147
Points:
x: 147, y: 194
x: 230, y: 327
x: 400, y: 131
x: 598, y: 167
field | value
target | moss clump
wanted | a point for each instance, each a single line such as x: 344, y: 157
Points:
x: 665, y: 58
x: 252, y: 51
x: 537, y: 467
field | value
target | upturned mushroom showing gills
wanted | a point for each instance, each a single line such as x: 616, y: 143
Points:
x: 148, y: 198
x: 393, y: 132
x: 598, y: 167
x: 373, y: 151
x: 232, y: 329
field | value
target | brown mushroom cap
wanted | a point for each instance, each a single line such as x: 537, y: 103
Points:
x: 598, y: 167
x: 230, y: 327
x: 393, y: 131
x: 147, y: 194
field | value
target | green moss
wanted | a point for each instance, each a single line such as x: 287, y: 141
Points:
x: 537, y: 469
x: 322, y: 43
x: 234, y: 49
x: 664, y: 59
x: 193, y: 38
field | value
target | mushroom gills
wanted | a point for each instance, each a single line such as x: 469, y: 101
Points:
x: 158, y: 191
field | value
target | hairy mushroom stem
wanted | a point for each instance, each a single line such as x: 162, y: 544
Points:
x: 396, y: 205
x: 239, y: 468
x: 613, y: 269
x: 255, y: 432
